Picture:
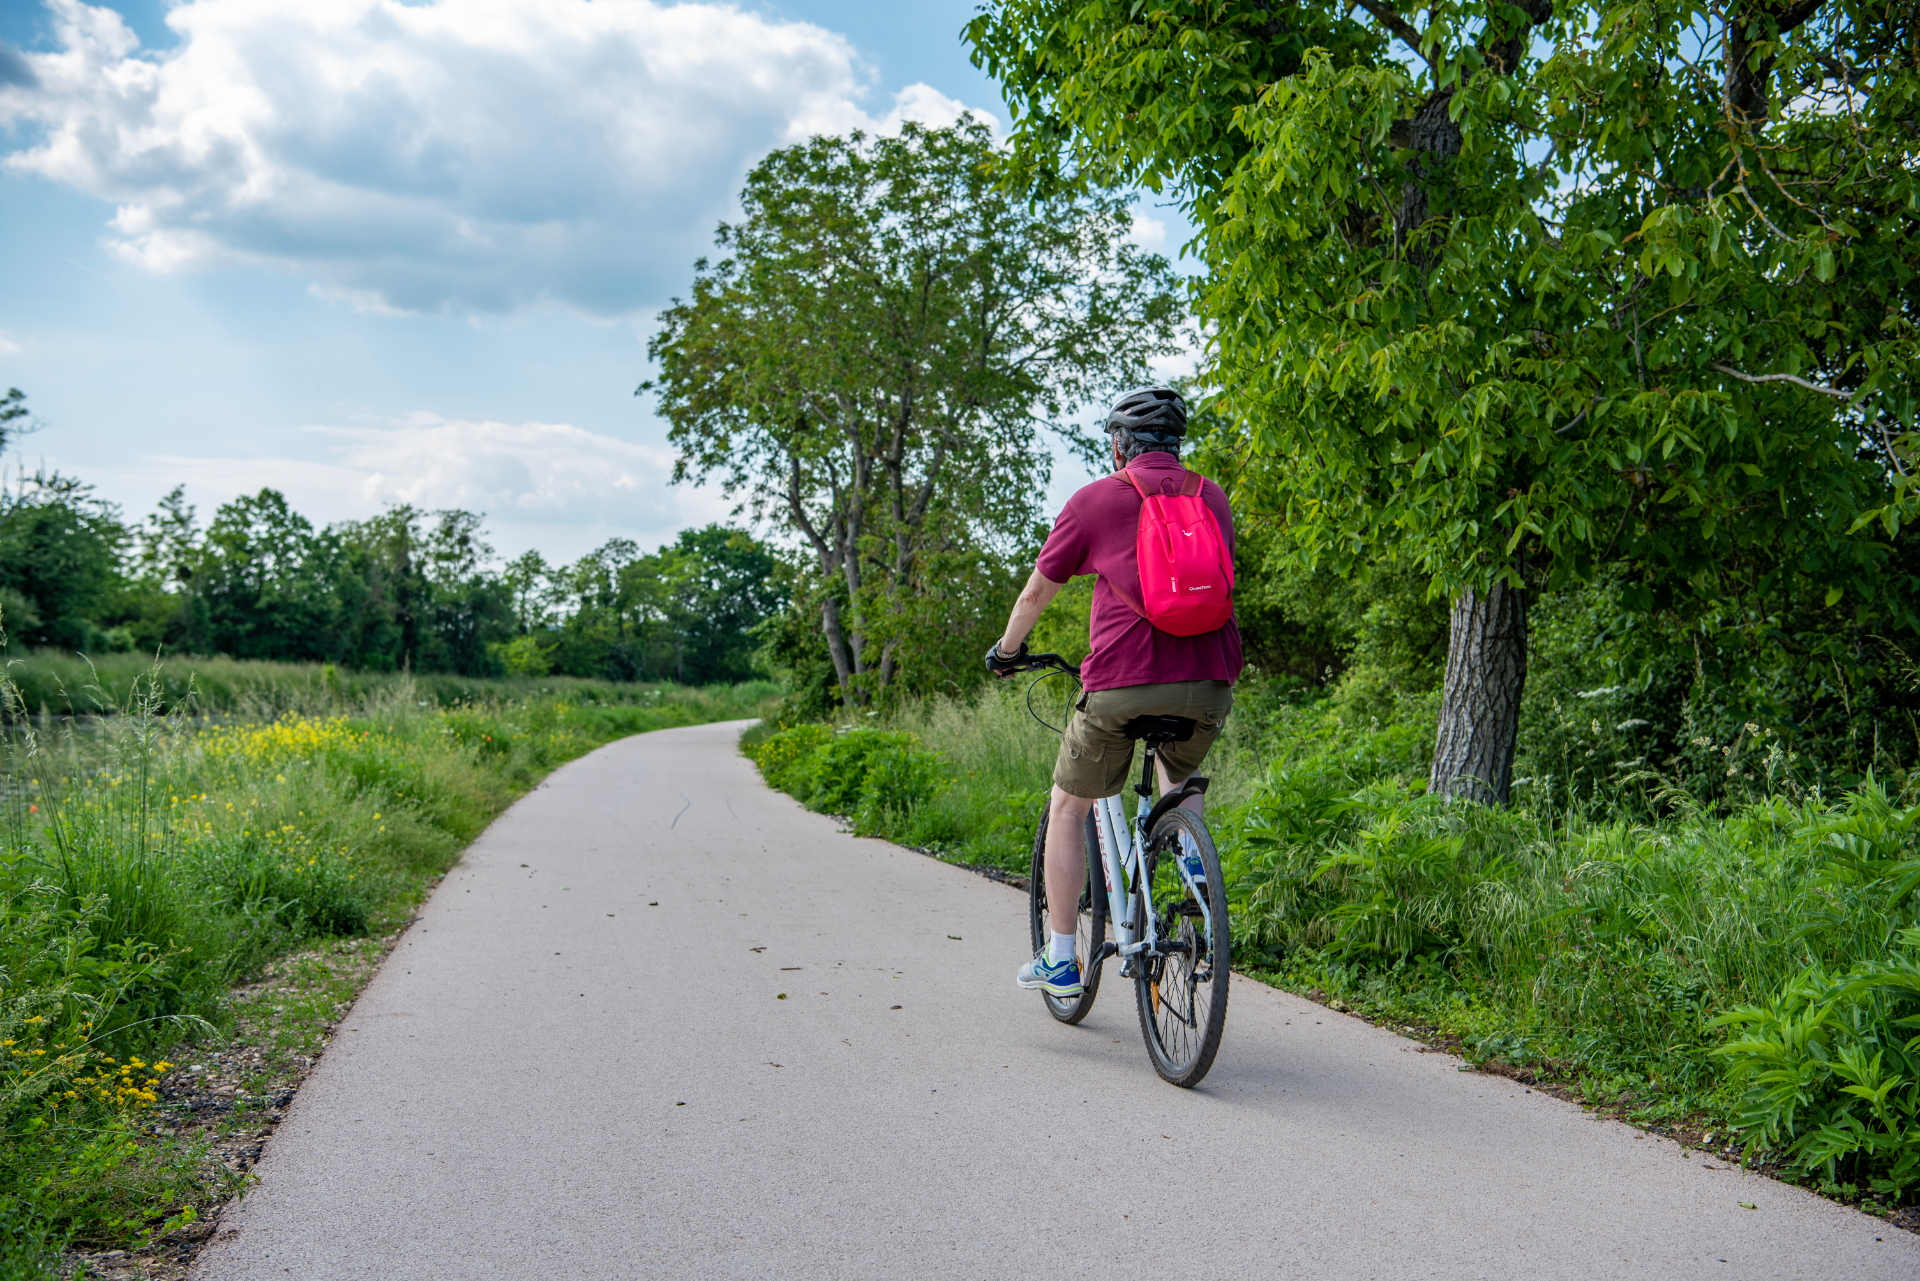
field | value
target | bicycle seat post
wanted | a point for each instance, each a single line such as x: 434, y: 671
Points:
x: 1144, y: 788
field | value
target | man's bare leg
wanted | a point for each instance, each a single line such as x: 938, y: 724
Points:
x: 1198, y: 804
x: 1067, y: 851
x: 1066, y: 860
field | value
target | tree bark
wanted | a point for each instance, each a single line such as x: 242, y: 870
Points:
x: 1749, y: 73
x: 1480, y: 704
x: 837, y: 649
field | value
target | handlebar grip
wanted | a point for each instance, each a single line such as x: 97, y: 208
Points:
x: 1037, y: 662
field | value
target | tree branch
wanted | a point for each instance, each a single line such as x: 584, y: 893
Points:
x: 798, y: 510
x: 1399, y: 26
x: 1784, y: 378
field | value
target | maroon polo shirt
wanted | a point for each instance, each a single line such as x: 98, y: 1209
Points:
x: 1095, y: 535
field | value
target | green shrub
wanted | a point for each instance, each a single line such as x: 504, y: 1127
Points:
x: 29, y: 1248
x: 1830, y: 1071
x: 784, y: 757
x: 877, y: 777
x: 833, y: 779
x: 900, y: 777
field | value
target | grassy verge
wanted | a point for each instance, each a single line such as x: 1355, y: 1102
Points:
x: 56, y: 683
x: 1746, y: 977
x: 965, y: 779
x: 184, y: 907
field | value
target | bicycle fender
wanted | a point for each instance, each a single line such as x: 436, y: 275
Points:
x: 1195, y: 786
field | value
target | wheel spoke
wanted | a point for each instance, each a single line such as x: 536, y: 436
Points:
x: 1181, y: 996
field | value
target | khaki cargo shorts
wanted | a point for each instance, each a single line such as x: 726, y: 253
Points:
x: 1096, y: 758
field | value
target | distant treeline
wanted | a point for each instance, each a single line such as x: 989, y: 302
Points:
x: 412, y: 589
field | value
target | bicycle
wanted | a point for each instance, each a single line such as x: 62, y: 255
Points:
x: 1157, y: 881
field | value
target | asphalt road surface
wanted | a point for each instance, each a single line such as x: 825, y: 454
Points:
x: 662, y: 1022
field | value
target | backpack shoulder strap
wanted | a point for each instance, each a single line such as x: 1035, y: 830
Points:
x: 1130, y: 602
x: 1191, y: 486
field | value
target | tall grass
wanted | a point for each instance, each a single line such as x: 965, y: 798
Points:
x: 55, y: 683
x: 149, y: 860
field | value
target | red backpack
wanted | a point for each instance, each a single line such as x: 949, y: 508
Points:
x: 1186, y: 572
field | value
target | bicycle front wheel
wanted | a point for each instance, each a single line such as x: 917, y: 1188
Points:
x: 1091, y: 931
x: 1182, y: 991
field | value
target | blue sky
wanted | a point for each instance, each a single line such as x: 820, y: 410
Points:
x: 225, y: 272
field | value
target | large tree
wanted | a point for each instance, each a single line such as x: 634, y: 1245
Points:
x: 60, y: 545
x: 875, y: 359
x: 1523, y: 290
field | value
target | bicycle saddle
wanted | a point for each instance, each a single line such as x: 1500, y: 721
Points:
x: 1160, y: 729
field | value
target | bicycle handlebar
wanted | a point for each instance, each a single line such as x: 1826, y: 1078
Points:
x: 1046, y: 662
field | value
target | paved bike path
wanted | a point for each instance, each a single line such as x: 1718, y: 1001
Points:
x: 552, y: 1077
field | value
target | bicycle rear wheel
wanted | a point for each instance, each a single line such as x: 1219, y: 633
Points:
x: 1092, y: 929
x: 1182, y: 993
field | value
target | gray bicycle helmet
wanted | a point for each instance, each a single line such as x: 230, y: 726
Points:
x: 1150, y: 415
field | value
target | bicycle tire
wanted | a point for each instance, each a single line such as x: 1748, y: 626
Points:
x: 1182, y: 997
x: 1092, y: 928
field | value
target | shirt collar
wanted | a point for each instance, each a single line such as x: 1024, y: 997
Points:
x: 1156, y: 461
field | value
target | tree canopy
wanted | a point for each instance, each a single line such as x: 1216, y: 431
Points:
x: 874, y: 363
x: 1524, y: 291
x: 1593, y: 281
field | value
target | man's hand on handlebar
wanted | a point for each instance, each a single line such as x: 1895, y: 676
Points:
x: 1005, y: 665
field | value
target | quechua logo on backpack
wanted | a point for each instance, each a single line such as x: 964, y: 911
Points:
x: 1186, y: 572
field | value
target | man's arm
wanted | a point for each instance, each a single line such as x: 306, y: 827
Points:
x: 1034, y: 597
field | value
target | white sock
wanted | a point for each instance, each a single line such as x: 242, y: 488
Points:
x: 1060, y: 949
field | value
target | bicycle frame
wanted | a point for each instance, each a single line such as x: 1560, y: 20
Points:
x: 1123, y: 852
x: 1125, y: 860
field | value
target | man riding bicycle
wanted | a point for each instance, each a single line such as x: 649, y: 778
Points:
x: 1134, y: 668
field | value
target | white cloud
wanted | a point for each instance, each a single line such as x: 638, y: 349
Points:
x: 924, y: 104
x: 466, y: 155
x: 1149, y: 233
x: 551, y: 485
x: 552, y: 471
x: 8, y: 347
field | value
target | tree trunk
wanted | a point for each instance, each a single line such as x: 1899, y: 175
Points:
x: 837, y: 649
x: 1480, y: 705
